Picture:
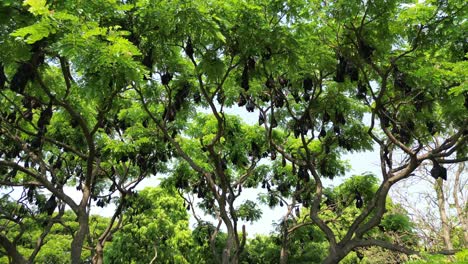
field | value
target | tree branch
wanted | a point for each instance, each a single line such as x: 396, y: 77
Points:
x: 382, y: 244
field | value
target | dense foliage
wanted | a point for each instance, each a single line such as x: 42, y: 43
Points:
x: 99, y: 95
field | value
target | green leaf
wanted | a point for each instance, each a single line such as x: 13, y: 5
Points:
x: 220, y: 36
x: 65, y: 16
x: 37, y: 7
x: 35, y: 32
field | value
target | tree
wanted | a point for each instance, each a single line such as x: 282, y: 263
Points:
x: 439, y: 214
x: 155, y: 230
x: 65, y: 120
x: 300, y: 240
x: 55, y: 244
x: 116, y: 85
x: 153, y: 215
x: 312, y: 82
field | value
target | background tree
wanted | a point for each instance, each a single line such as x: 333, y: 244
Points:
x: 154, y: 230
x: 439, y: 215
x: 56, y: 245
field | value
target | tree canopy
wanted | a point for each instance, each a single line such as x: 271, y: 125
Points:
x: 99, y: 95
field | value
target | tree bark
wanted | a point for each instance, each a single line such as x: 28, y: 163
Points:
x: 284, y: 243
x: 229, y: 256
x: 335, y: 255
x: 284, y: 252
x: 80, y: 235
x: 98, y: 257
x: 155, y: 254
x: 443, y: 214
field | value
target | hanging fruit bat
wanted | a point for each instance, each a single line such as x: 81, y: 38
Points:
x: 399, y: 81
x: 224, y: 163
x: 148, y: 59
x: 169, y: 114
x: 3, y: 78
x: 297, y: 131
x: 303, y: 174
x: 251, y: 63
x: 359, y: 201
x: 283, y: 81
x: 279, y: 101
x: 250, y: 105
x: 273, y: 122
x: 339, y: 118
x: 23, y: 75
x: 50, y: 205
x: 336, y: 129
x: 340, y: 70
x: 189, y: 48
x: 296, y: 97
x: 361, y: 91
x: 431, y: 127
x: 261, y: 119
x: 166, y: 78
x: 323, y: 132
x: 197, y: 97
x: 267, y: 54
x: 270, y: 83
x: 26, y: 70
x: 273, y: 155
x: 245, y: 78
x: 308, y: 84
x: 352, y: 71
x: 242, y: 101
x: 438, y: 171
x: 365, y: 50
x: 44, y: 118
x: 326, y: 117
x: 264, y: 97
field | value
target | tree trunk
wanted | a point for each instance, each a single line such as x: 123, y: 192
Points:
x: 231, y: 250
x: 284, y: 246
x: 284, y: 254
x: 335, y: 255
x: 229, y: 255
x: 443, y: 214
x: 80, y: 235
x: 153, y: 260
x: 461, y: 214
x: 98, y: 257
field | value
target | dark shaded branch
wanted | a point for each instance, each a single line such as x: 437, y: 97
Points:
x: 12, y: 251
x: 382, y: 244
x: 40, y: 241
x: 44, y: 182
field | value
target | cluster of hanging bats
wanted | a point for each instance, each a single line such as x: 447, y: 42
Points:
x: 345, y: 68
